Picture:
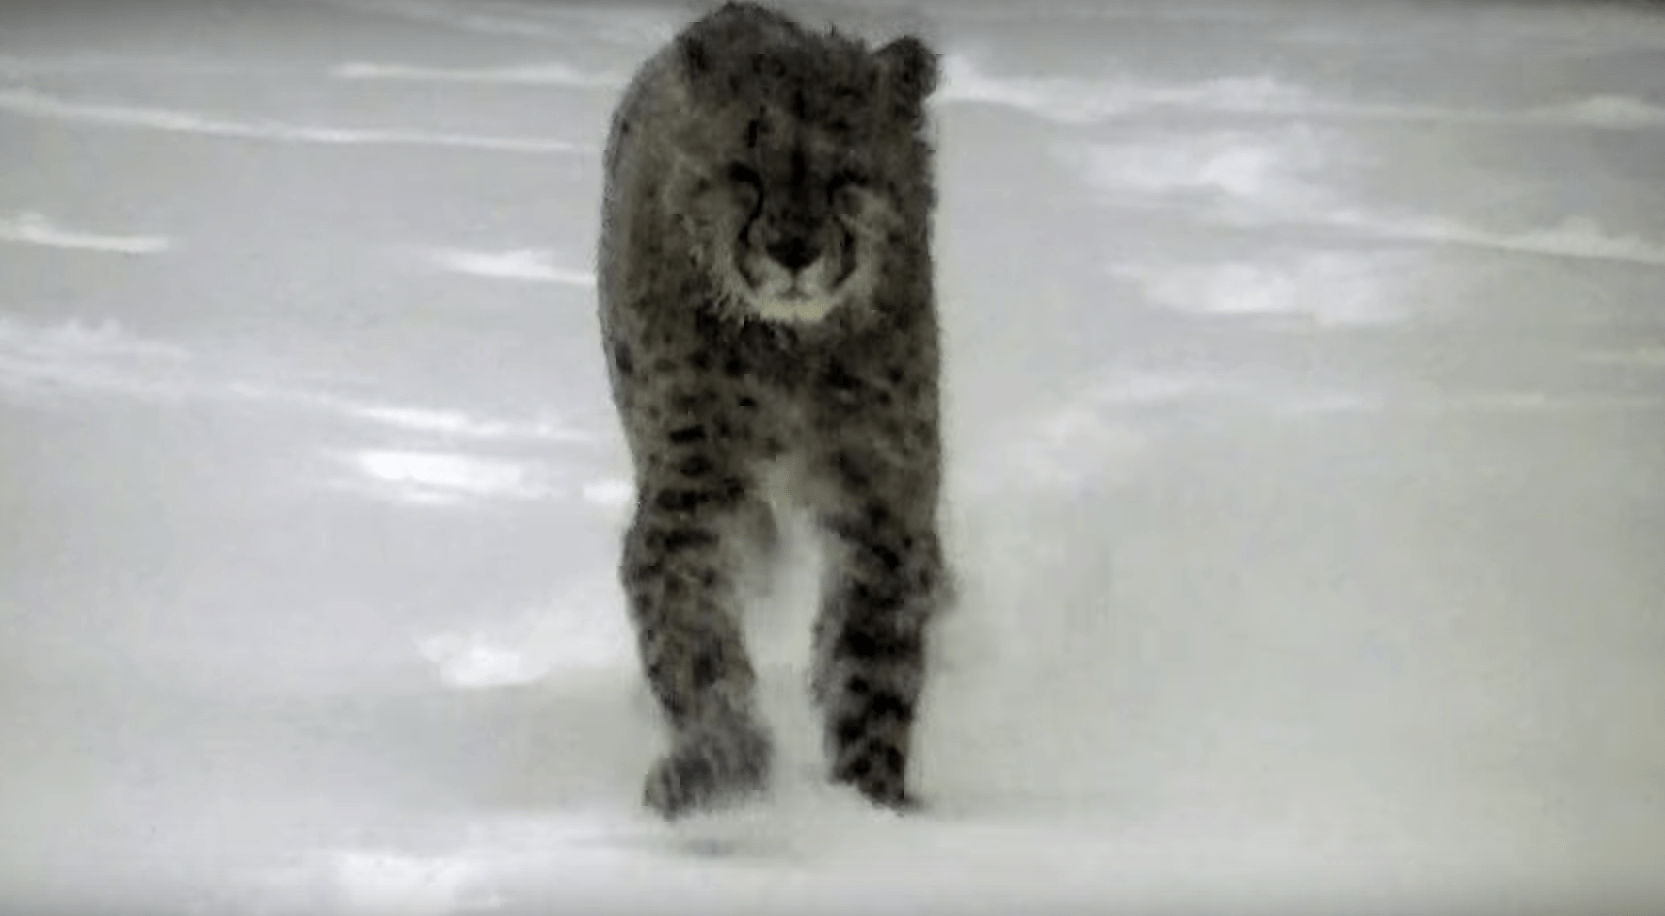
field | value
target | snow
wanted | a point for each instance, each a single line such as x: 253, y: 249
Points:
x: 1307, y: 470
x: 35, y: 229
x: 526, y: 264
x: 42, y: 105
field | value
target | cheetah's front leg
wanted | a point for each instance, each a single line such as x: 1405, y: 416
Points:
x: 886, y: 579
x: 679, y: 577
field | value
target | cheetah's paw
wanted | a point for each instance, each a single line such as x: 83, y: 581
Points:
x: 708, y: 771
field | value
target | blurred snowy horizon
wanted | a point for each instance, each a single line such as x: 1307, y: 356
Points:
x: 1307, y: 428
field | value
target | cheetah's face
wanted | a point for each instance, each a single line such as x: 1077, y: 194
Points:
x: 792, y: 173
x: 806, y: 230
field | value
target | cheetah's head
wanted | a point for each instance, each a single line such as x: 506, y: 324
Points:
x: 801, y: 164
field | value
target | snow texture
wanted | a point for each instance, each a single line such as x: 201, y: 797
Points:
x: 1307, y: 446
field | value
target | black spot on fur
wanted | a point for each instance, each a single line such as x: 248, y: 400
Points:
x: 864, y: 536
x: 686, y: 435
x: 889, y: 559
x: 706, y: 669
x: 865, y: 645
x: 695, y: 466
x: 691, y: 499
x: 838, y: 379
x: 678, y: 500
x: 889, y: 704
x: 881, y: 595
x: 686, y: 402
x: 894, y: 760
x: 851, y: 471
x: 687, y: 538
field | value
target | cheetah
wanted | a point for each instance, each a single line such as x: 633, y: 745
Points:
x: 767, y: 312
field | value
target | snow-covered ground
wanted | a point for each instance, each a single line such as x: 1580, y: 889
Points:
x: 1308, y: 420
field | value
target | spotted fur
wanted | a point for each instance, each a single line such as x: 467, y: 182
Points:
x: 767, y: 310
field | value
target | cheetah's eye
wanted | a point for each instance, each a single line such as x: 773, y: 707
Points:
x: 749, y: 181
x: 741, y: 173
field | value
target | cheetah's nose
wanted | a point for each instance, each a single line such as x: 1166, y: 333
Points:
x: 794, y: 253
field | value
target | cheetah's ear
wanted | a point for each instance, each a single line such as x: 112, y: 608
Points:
x: 910, y: 67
